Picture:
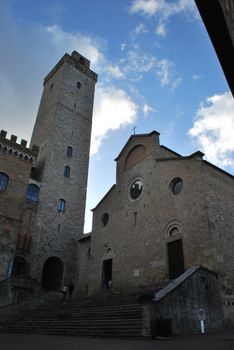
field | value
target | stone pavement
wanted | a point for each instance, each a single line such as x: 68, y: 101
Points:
x: 223, y: 340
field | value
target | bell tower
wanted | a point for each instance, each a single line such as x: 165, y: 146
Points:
x: 62, y: 131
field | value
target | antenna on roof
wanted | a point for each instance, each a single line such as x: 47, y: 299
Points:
x: 134, y: 130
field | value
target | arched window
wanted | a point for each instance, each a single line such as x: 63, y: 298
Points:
x: 3, y: 181
x: 61, y: 205
x: 69, y: 151
x: 32, y: 193
x: 66, y: 171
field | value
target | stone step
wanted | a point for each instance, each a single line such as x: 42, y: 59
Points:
x: 107, y: 315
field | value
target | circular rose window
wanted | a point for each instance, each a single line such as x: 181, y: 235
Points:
x: 135, y: 189
x: 177, y: 185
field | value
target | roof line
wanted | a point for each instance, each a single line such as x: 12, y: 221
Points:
x: 112, y: 187
x: 154, y: 132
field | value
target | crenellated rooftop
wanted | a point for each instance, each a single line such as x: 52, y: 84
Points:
x: 19, y: 150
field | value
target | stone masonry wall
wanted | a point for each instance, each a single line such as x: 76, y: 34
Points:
x: 137, y: 232
x: 199, y: 291
x: 12, y: 201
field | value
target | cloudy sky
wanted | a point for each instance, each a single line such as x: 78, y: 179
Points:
x: 157, y: 71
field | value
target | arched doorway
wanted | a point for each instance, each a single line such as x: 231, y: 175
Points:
x: 19, y: 267
x: 52, y: 274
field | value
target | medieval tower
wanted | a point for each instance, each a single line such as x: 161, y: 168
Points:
x: 62, y: 131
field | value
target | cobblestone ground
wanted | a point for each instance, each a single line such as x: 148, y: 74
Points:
x: 214, y: 341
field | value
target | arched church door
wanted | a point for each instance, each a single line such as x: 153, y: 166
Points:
x: 52, y: 274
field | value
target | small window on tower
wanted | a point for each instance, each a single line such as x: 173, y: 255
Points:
x: 69, y: 151
x: 78, y: 84
x: 66, y: 171
x: 3, y: 182
x: 61, y: 205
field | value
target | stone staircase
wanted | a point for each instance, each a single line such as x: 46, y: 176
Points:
x: 107, y: 315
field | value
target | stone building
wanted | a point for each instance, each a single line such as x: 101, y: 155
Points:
x: 165, y: 214
x: 62, y: 131
x: 47, y: 226
x: 16, y: 205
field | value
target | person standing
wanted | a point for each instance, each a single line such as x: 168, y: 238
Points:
x: 64, y: 291
x: 70, y: 289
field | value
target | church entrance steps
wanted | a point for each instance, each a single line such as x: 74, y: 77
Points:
x: 108, y: 315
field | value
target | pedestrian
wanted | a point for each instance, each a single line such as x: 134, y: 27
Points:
x: 70, y: 289
x: 64, y: 291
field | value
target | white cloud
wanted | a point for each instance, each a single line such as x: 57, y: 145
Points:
x: 122, y: 46
x: 113, y: 109
x: 86, y: 45
x: 138, y: 63
x: 166, y: 75
x: 141, y: 28
x: 196, y: 77
x: 114, y: 71
x: 213, y: 129
x: 147, y: 109
x: 162, y: 10
x: 163, y: 72
x: 149, y: 7
x: 162, y: 7
x: 161, y: 30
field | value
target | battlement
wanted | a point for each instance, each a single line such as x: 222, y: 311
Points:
x: 78, y: 61
x: 19, y: 150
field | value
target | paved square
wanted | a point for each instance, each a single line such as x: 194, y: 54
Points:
x: 214, y: 341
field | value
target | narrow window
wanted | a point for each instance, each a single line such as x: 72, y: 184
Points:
x: 78, y: 84
x: 32, y: 193
x: 66, y: 171
x: 135, y: 218
x: 3, y: 182
x: 61, y: 205
x: 69, y: 151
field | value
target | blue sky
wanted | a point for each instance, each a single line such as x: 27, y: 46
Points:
x: 157, y: 71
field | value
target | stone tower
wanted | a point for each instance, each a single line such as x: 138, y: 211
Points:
x: 62, y: 131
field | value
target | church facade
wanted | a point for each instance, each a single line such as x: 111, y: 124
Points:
x: 165, y: 214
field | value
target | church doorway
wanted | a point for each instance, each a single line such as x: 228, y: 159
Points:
x: 175, y: 258
x: 107, y: 274
x: 52, y: 275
